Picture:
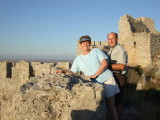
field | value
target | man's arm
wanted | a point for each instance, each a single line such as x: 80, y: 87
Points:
x: 117, y: 66
x: 121, y: 62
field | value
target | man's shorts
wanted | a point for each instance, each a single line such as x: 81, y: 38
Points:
x: 110, y: 87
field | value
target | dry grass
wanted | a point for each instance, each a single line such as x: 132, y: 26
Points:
x: 145, y: 101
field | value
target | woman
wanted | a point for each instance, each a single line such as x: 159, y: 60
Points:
x: 93, y: 64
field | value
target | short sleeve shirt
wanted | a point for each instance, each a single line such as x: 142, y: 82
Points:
x: 117, y: 53
x: 90, y: 63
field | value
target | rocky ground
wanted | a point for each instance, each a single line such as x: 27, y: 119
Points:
x: 59, y: 97
x: 55, y: 97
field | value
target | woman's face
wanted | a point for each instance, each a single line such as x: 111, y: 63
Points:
x: 85, y: 45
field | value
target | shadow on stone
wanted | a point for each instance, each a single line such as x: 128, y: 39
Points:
x: 26, y: 86
x: 99, y: 114
x: 9, y: 69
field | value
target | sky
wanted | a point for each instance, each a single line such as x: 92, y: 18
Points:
x: 49, y: 29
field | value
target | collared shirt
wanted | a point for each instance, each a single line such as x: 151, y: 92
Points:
x: 118, y: 54
x: 90, y: 63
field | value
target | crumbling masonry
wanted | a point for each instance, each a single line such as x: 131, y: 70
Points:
x: 23, y: 70
x: 139, y: 38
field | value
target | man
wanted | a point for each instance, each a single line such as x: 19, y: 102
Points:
x: 118, y: 61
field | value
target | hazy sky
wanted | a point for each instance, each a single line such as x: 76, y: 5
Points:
x: 49, y: 29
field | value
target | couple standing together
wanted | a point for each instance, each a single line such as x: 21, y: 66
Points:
x: 93, y: 63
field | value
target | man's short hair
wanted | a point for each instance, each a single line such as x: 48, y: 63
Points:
x: 114, y: 34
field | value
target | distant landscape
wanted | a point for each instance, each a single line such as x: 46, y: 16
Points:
x: 46, y: 60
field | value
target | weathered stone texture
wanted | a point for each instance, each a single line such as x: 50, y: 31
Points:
x: 155, y: 44
x: 64, y: 65
x: 104, y: 43
x: 40, y: 69
x: 149, y: 23
x: 98, y: 43
x: 140, y: 39
x: 92, y: 43
x: 21, y: 71
x: 55, y: 97
x: 5, y: 69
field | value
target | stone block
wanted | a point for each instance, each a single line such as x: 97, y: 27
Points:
x: 5, y: 68
x: 64, y: 65
x: 104, y: 43
x: 98, y: 43
x: 93, y: 43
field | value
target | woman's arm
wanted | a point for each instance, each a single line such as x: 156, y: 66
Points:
x: 101, y: 69
x: 64, y: 71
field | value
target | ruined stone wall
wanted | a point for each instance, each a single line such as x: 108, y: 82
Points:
x: 155, y: 44
x: 23, y: 70
x: 47, y: 96
x: 54, y: 97
x: 20, y: 71
x: 138, y: 49
x: 149, y: 23
x: 64, y: 65
x: 5, y: 69
x: 139, y: 38
x: 40, y: 69
x: 12, y: 76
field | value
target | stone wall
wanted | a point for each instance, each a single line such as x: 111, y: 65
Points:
x: 54, y: 97
x: 15, y: 74
x: 64, y: 65
x: 155, y: 44
x: 5, y: 69
x: 32, y: 91
x: 40, y: 69
x: 22, y: 71
x: 140, y: 39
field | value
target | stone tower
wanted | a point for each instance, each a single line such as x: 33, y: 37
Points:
x: 140, y: 39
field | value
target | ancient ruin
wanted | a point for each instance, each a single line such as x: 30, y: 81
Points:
x: 32, y: 90
x: 139, y: 38
x: 24, y: 70
x: 53, y: 97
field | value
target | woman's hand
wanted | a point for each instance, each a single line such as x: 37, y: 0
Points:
x: 59, y: 71
x: 64, y: 71
x: 93, y: 76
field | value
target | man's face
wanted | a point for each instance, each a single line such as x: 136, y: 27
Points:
x: 112, y: 40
